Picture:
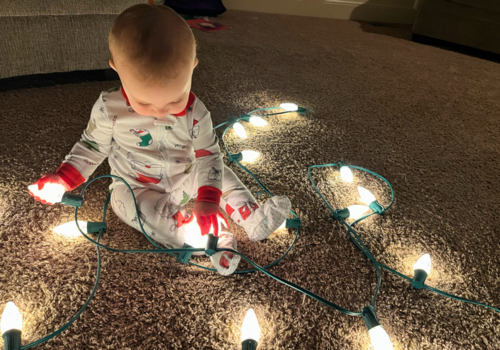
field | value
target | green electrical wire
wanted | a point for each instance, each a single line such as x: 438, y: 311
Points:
x: 70, y: 322
x: 351, y: 232
x: 359, y: 242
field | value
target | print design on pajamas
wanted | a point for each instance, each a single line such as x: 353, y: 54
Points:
x: 195, y: 131
x: 179, y: 221
x: 121, y: 207
x: 145, y: 171
x: 144, y: 135
x: 202, y: 153
x: 246, y: 208
x: 136, y: 222
x: 189, y: 168
x: 215, y: 174
x: 91, y: 145
x: 185, y: 198
x: 133, y: 188
x: 164, y: 206
x: 115, y: 150
x: 225, y: 195
x: 92, y: 125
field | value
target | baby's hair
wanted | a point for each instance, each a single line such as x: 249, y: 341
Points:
x: 152, y: 40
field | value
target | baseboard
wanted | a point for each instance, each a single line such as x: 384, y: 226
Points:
x: 388, y: 11
x: 465, y: 50
x: 58, y: 78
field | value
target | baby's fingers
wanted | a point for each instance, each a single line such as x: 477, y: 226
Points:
x: 215, y: 225
x: 220, y: 216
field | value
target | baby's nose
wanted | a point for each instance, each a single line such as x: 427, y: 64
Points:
x: 161, y: 114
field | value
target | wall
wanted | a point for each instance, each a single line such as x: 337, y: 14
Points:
x: 384, y: 11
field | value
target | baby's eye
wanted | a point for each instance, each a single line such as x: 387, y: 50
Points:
x: 143, y: 104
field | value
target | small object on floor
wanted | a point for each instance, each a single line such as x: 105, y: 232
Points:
x: 206, y: 26
x: 226, y: 262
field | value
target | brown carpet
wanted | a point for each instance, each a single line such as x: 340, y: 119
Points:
x: 424, y: 118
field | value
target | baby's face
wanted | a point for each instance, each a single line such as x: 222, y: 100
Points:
x: 160, y: 99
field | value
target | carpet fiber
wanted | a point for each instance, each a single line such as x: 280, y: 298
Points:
x: 424, y: 118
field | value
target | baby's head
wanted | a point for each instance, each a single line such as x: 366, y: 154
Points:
x: 153, y: 50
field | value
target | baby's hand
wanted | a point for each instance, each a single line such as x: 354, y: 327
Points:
x: 49, y: 189
x: 207, y: 215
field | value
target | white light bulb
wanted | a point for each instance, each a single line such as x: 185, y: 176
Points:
x: 50, y: 192
x: 423, y: 263
x: 257, y: 121
x: 250, y: 328
x: 240, y: 130
x: 380, y: 339
x: 193, y: 235
x: 357, y: 211
x: 249, y: 156
x: 290, y: 107
x: 11, y: 318
x: 283, y: 225
x: 70, y: 230
x: 346, y: 174
x: 366, y: 196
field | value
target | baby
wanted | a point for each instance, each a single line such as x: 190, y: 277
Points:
x: 158, y: 136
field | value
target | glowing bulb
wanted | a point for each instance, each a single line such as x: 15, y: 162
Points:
x: 346, y: 174
x: 240, y: 130
x: 250, y: 328
x: 257, y: 121
x: 249, y: 156
x: 423, y: 263
x: 70, y: 230
x: 356, y: 211
x: 11, y: 318
x: 283, y: 225
x: 50, y: 192
x: 290, y: 107
x: 193, y: 235
x: 366, y: 196
x: 195, y: 239
x: 380, y: 339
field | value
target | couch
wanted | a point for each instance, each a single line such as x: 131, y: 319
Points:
x: 46, y: 36
x: 473, y: 23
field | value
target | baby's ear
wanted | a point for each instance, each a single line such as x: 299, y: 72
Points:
x: 195, y: 62
x: 111, y: 64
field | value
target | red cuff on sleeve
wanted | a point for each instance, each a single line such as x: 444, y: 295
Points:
x: 209, y: 194
x: 70, y: 176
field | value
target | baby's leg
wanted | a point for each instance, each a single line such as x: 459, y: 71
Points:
x: 161, y: 219
x: 259, y: 222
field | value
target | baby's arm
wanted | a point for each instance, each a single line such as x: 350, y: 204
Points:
x: 210, y: 174
x: 85, y: 157
x: 93, y: 147
x: 209, y: 158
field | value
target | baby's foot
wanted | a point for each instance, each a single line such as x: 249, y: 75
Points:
x: 266, y: 219
x: 226, y: 262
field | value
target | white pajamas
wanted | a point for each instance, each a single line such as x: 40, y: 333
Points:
x: 166, y: 162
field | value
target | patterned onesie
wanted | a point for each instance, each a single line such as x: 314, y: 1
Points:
x: 165, y: 161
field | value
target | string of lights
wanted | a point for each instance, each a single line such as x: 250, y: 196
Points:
x: 11, y: 321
